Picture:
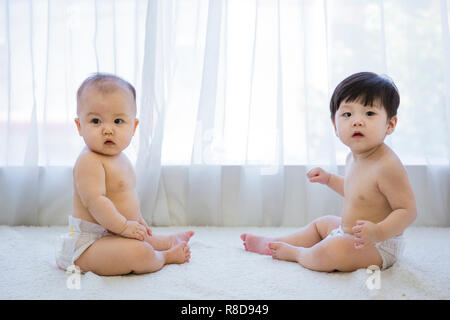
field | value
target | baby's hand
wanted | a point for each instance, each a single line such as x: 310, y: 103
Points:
x: 134, y: 230
x: 147, y: 228
x: 365, y: 233
x: 318, y: 175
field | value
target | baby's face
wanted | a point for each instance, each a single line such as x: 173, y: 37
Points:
x: 360, y: 127
x: 107, y: 121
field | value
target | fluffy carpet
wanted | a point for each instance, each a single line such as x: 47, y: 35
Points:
x: 221, y: 269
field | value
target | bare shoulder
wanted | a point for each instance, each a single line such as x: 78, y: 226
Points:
x: 348, y: 161
x: 389, y: 165
x: 393, y: 182
x: 86, y: 161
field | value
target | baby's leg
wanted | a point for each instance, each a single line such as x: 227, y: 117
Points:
x: 337, y: 253
x: 165, y: 242
x: 305, y: 237
x: 110, y: 256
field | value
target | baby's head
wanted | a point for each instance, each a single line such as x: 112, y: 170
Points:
x: 106, y: 113
x: 364, y: 109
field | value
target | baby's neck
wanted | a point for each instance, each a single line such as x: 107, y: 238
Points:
x: 370, y: 153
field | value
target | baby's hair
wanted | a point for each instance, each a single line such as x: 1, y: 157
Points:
x: 104, y: 83
x: 367, y: 87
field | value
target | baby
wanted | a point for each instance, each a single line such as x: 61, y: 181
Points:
x: 379, y: 203
x: 108, y: 234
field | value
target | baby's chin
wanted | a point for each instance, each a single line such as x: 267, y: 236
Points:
x: 105, y: 151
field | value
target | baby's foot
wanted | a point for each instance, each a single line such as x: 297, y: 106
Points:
x: 178, y: 254
x: 179, y: 237
x: 256, y: 244
x: 284, y: 251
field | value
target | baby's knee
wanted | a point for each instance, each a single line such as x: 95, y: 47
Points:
x: 328, y: 253
x: 334, y: 256
x: 328, y: 219
x: 325, y: 224
x: 321, y: 255
x: 142, y: 251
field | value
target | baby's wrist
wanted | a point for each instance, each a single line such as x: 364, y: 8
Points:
x: 378, y: 233
x: 124, y: 226
x: 328, y: 180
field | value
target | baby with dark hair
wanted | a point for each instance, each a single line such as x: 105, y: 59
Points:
x: 379, y: 203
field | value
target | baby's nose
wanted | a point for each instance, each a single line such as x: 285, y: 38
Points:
x: 107, y: 130
x: 358, y: 122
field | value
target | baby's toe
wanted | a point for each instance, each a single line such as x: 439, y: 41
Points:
x: 274, y: 245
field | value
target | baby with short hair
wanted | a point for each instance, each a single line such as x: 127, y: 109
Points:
x: 379, y: 203
x: 108, y: 235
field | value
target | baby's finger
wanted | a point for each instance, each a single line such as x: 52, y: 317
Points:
x: 358, y: 246
x: 138, y: 231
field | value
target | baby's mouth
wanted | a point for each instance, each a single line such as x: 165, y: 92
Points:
x: 109, y: 143
x: 357, y: 135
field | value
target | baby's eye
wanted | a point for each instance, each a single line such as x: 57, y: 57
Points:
x: 346, y: 114
x: 95, y: 121
x: 370, y: 113
x: 118, y: 121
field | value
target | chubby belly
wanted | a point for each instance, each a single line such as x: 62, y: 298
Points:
x: 351, y: 214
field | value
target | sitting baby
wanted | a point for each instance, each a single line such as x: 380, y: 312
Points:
x: 379, y: 203
x: 108, y: 235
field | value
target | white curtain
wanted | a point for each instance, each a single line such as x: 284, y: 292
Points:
x: 47, y: 48
x: 233, y: 101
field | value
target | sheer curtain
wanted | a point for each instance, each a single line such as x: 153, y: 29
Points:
x: 237, y: 100
x: 232, y: 99
x: 47, y: 48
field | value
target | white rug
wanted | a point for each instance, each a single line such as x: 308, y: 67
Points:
x: 221, y: 269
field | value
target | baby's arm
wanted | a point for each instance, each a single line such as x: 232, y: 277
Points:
x: 89, y: 178
x: 333, y: 181
x: 394, y: 184
x: 336, y: 183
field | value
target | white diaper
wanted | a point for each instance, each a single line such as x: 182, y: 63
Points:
x: 390, y: 249
x: 82, y: 234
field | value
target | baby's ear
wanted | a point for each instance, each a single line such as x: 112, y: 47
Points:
x: 77, y: 122
x: 391, y: 125
x: 136, y: 122
x: 334, y: 126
